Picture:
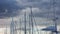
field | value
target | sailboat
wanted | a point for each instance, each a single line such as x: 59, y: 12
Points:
x: 53, y: 29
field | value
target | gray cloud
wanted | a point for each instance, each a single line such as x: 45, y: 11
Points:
x: 47, y: 7
x: 9, y: 8
x: 14, y: 5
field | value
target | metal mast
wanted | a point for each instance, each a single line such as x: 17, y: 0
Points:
x: 55, y: 18
x: 25, y: 21
x: 31, y: 19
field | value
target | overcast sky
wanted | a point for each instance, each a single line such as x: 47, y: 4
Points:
x: 41, y: 10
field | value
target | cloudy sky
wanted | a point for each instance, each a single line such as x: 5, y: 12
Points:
x: 41, y: 9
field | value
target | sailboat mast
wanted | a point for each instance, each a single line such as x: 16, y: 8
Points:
x: 55, y: 18
x: 25, y: 21
x: 29, y: 25
x: 12, y: 27
x: 31, y: 19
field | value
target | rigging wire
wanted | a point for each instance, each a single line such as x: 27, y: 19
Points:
x: 36, y: 25
x: 35, y: 20
x: 32, y: 19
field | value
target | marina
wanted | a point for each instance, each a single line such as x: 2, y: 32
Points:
x: 32, y: 18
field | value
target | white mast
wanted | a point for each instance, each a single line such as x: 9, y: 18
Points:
x: 12, y: 27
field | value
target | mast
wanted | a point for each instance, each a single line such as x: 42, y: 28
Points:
x: 25, y: 21
x: 29, y: 25
x: 55, y: 18
x: 15, y: 27
x: 12, y: 27
x: 31, y: 19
